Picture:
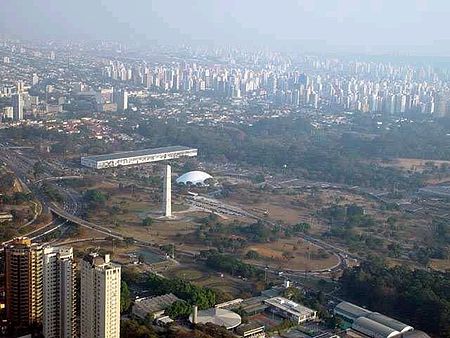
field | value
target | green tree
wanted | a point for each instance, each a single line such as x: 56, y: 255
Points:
x: 179, y: 309
x: 147, y: 221
x: 132, y: 329
x: 125, y: 297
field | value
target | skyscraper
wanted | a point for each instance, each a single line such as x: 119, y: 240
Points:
x: 121, y: 99
x: 100, y: 297
x: 23, y: 282
x: 59, y: 316
x: 17, y: 103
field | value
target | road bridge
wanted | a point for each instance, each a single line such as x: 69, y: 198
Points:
x: 81, y: 222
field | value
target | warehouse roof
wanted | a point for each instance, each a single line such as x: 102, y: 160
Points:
x: 390, y: 322
x: 351, y: 310
x: 136, y: 153
x: 373, y: 328
x: 414, y: 334
x: 144, y: 306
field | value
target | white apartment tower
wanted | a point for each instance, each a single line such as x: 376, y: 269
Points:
x: 17, y: 104
x: 121, y: 98
x: 59, y: 270
x: 167, y: 191
x: 100, y: 297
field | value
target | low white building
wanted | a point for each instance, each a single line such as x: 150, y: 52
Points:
x: 194, y: 178
x: 290, y: 310
x: 125, y: 158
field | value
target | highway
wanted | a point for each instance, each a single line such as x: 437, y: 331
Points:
x: 22, y: 166
x: 60, y: 212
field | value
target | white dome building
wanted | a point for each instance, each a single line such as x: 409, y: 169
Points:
x: 220, y: 317
x: 193, y: 177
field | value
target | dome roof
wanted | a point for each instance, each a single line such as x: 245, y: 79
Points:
x: 193, y: 177
x: 221, y: 317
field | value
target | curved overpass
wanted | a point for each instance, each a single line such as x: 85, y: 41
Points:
x: 74, y: 219
x: 58, y: 211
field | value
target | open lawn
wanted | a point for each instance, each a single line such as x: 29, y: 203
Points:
x: 294, y: 254
x: 201, y: 275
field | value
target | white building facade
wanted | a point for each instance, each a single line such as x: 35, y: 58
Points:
x: 100, y: 297
x: 59, y: 276
x: 137, y: 157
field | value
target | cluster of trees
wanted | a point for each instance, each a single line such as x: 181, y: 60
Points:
x: 252, y: 254
x: 51, y: 192
x: 417, y: 297
x: 16, y: 198
x: 343, y: 220
x: 132, y: 329
x: 423, y: 255
x: 229, y: 264
x: 7, y: 182
x: 147, y: 221
x: 286, y: 141
x: 94, y: 198
x: 425, y: 140
x: 350, y: 216
x: 195, y: 295
x: 237, y: 235
x: 8, y: 193
x: 257, y: 232
x: 212, y: 330
x: 441, y: 230
x: 356, y: 241
x: 296, y: 229
x: 179, y: 309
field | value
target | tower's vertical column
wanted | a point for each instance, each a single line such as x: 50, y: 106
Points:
x: 167, y: 200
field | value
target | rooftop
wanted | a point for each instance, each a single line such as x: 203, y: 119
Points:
x: 366, y: 325
x: 219, y: 317
x: 143, y: 306
x: 136, y: 153
x: 352, y: 310
x: 289, y: 306
x: 390, y: 322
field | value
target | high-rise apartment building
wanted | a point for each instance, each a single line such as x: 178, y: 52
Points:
x: 23, y: 282
x: 59, y: 276
x: 121, y: 98
x: 17, y: 104
x: 100, y: 297
x: 35, y: 79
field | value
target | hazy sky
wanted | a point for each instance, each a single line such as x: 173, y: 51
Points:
x: 419, y: 26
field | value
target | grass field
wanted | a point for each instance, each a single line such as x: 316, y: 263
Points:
x: 202, y: 276
x: 302, y: 255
